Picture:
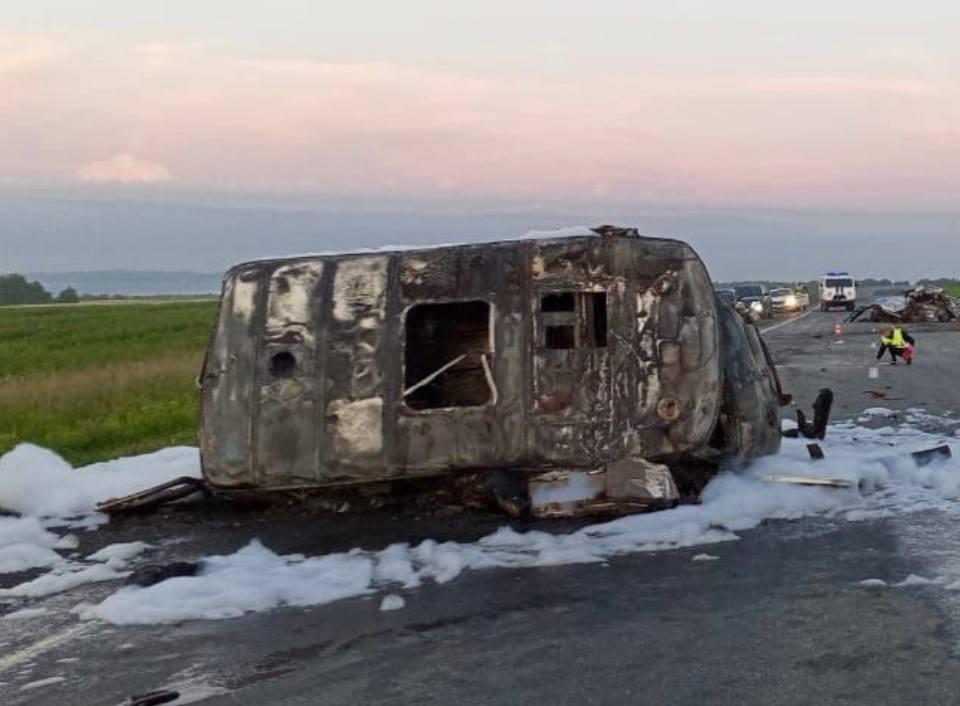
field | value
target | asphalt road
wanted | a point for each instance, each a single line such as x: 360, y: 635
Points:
x: 779, y: 619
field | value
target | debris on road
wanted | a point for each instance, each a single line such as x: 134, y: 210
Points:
x: 921, y: 304
x: 815, y: 451
x: 881, y: 395
x: 821, y: 418
x: 810, y: 481
x: 176, y: 489
x: 155, y: 573
x: 155, y: 698
x: 928, y: 456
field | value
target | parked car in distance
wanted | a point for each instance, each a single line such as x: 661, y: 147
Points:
x: 787, y: 299
x: 726, y: 295
x: 755, y: 300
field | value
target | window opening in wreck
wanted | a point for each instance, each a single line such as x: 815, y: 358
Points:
x: 574, y: 320
x: 595, y: 314
x: 446, y: 356
x: 557, y: 301
x: 282, y: 364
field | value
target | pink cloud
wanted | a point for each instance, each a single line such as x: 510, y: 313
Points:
x: 125, y: 169
x: 24, y: 52
x: 368, y: 127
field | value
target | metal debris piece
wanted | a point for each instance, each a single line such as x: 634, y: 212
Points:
x: 148, y: 499
x: 810, y: 481
x: 880, y: 395
x: 566, y: 493
x: 155, y: 698
x: 155, y: 573
x: 624, y: 486
x: 816, y: 452
x: 640, y: 479
x: 821, y: 418
x: 928, y: 456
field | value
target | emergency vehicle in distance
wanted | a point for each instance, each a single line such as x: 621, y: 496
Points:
x: 837, y: 289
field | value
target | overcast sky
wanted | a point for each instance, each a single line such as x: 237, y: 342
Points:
x: 759, y: 120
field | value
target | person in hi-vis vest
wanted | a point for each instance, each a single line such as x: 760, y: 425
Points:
x: 896, y: 340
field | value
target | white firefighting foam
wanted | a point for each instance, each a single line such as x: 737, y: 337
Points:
x: 885, y: 481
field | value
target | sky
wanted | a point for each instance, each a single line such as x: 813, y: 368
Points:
x: 762, y: 112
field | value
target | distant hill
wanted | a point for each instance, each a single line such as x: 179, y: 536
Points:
x: 130, y: 282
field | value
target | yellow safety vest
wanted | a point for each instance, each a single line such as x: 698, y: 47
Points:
x: 896, y: 340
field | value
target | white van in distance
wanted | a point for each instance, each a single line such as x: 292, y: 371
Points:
x: 837, y: 289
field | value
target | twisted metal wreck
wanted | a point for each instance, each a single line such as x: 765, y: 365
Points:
x: 594, y: 372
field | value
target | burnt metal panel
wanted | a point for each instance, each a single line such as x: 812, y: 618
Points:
x: 228, y: 406
x: 572, y: 389
x: 486, y: 435
x: 287, y: 435
x: 749, y: 424
x: 668, y: 374
x: 356, y: 353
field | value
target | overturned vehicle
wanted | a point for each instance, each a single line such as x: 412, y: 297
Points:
x: 589, y: 373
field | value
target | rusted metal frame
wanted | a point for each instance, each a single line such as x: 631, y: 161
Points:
x: 392, y: 368
x: 527, y: 338
x: 324, y: 310
x: 170, y: 491
x: 433, y: 376
x: 204, y: 387
x: 258, y: 323
x: 491, y: 383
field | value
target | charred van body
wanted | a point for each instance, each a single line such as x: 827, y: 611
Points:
x: 600, y: 367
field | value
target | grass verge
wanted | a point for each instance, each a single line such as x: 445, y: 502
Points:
x: 97, y: 381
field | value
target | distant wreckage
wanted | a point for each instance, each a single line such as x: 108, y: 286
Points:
x: 583, y: 373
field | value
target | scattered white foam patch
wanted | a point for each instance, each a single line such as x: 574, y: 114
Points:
x: 38, y: 483
x: 255, y: 578
x: 26, y: 544
x: 565, y: 232
x: 392, y: 601
x: 919, y: 416
x: 60, y: 581
x: 25, y: 614
x: 120, y: 553
x: 252, y: 579
x: 562, y: 232
x: 914, y: 580
x: 873, y: 583
x: 48, y: 492
x: 878, y: 412
x: 704, y: 557
x: 68, y: 541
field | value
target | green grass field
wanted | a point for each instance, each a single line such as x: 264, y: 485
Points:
x: 97, y: 381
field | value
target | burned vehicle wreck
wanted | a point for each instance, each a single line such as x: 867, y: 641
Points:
x: 594, y: 372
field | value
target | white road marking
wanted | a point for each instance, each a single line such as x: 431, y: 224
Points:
x: 768, y: 329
